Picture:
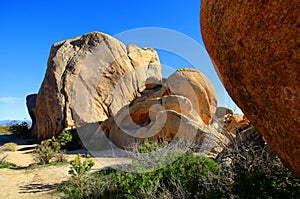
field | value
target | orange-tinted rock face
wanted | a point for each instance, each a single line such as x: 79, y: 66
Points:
x: 173, y: 110
x: 194, y: 85
x: 235, y: 123
x: 255, y: 47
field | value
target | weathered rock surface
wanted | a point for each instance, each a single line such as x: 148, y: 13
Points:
x: 222, y: 111
x: 119, y: 92
x: 194, y: 85
x: 89, y: 79
x: 31, y: 107
x: 162, y: 116
x: 164, y: 123
x: 234, y: 124
x: 255, y: 48
x: 153, y: 118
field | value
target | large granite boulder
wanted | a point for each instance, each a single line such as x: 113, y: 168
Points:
x: 255, y: 48
x: 89, y: 79
x: 31, y: 107
x: 154, y: 119
x: 162, y: 114
x: 194, y: 85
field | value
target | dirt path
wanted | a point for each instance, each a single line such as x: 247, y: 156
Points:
x: 33, y: 183
x: 38, y: 183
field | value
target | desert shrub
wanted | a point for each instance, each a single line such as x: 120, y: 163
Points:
x: 265, y: 176
x: 80, y: 168
x: 4, y: 163
x: 10, y: 146
x: 61, y: 140
x: 51, y: 148
x: 243, y: 170
x: 147, y: 146
x: 69, y: 140
x: 46, y: 152
x: 20, y: 129
x: 265, y: 183
x: 254, y: 166
x: 187, y: 177
x: 64, y: 138
x: 78, y: 186
x: 4, y: 130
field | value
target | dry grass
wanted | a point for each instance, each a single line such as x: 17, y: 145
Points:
x: 4, y: 130
x: 10, y: 146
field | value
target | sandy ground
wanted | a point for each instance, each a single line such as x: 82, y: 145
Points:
x: 41, y: 182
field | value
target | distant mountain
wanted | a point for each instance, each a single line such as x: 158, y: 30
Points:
x: 8, y: 122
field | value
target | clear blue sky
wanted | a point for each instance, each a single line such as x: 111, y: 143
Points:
x: 29, y: 28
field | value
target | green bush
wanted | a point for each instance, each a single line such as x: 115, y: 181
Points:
x: 20, y: 129
x: 266, y: 178
x: 51, y: 148
x: 46, y: 152
x: 190, y: 176
x: 187, y: 177
x: 10, y: 146
x: 265, y: 183
x: 79, y: 183
x: 254, y: 166
x: 69, y: 140
x: 148, y: 146
x: 244, y: 171
x: 80, y: 168
x: 61, y: 140
x: 64, y: 138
